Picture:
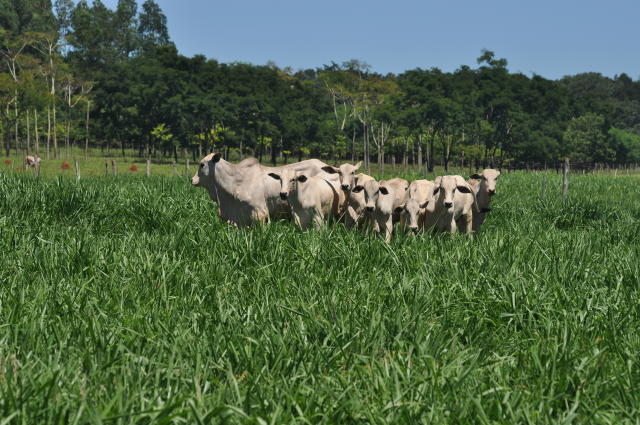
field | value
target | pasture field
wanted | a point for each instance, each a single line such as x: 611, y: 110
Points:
x: 125, y: 300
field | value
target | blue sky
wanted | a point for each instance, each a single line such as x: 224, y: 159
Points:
x: 549, y: 38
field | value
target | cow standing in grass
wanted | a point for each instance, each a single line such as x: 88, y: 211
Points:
x: 312, y: 198
x: 455, y: 205
x: 484, y: 187
x: 245, y: 194
x: 31, y: 161
x: 418, y: 207
x: 383, y: 201
x: 356, y: 215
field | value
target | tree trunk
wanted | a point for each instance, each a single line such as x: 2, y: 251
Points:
x: 55, y: 134
x: 15, y: 110
x: 86, y: 134
x: 405, y: 160
x: 28, y: 134
x: 273, y: 153
x: 431, y: 148
x: 353, y: 146
x: 419, y: 150
x: 48, y: 131
x: 37, y: 141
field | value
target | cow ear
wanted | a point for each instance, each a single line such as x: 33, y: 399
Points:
x: 302, y: 178
x: 498, y: 174
x: 464, y: 189
x: 216, y: 157
x: 329, y: 169
x: 476, y: 176
x: 436, y: 190
x: 384, y: 190
x: 274, y: 176
x: 424, y: 204
x: 355, y: 167
x: 357, y: 189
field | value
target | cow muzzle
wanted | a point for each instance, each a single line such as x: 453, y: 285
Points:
x: 345, y: 187
x: 284, y: 196
x: 492, y: 192
x: 414, y: 229
x: 370, y: 209
x: 448, y: 204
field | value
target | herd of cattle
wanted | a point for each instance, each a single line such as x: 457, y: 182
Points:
x: 310, y: 192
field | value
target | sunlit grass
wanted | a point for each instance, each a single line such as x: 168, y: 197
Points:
x: 125, y: 300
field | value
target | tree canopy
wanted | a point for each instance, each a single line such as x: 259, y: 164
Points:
x: 139, y: 90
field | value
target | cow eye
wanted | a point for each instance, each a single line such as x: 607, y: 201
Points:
x: 201, y: 165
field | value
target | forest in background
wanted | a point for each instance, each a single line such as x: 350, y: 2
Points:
x: 82, y: 76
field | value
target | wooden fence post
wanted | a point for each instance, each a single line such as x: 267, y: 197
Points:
x: 148, y: 167
x: 544, y: 184
x: 37, y: 168
x: 186, y: 167
x: 77, y: 168
x: 175, y: 171
x: 106, y: 168
x: 565, y: 179
x: 114, y: 167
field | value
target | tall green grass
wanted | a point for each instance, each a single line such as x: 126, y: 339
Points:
x: 125, y: 300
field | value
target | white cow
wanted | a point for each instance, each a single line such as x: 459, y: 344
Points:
x: 455, y: 204
x: 383, y: 201
x: 419, y: 206
x: 389, y: 204
x: 356, y: 215
x: 312, y: 198
x: 31, y: 161
x: 484, y: 187
x: 245, y: 194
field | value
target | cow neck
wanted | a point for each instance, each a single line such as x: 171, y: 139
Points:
x: 224, y: 176
x: 482, y: 197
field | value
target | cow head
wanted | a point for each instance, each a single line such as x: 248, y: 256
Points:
x: 346, y: 172
x: 206, y: 169
x: 369, y: 190
x: 487, y: 180
x: 289, y: 179
x: 447, y: 186
x: 411, y: 211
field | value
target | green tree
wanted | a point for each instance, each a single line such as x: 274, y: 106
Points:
x: 152, y: 26
x: 586, y: 139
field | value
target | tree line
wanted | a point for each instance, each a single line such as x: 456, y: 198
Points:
x: 83, y: 75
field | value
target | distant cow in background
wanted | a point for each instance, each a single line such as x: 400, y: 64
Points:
x: 31, y: 161
x: 484, y: 187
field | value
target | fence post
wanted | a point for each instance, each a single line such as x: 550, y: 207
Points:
x: 565, y: 179
x: 544, y: 184
x: 114, y: 167
x: 148, y: 167
x: 37, y: 168
x: 77, y: 168
x: 106, y: 168
x: 186, y: 167
x: 173, y: 165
